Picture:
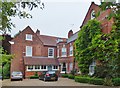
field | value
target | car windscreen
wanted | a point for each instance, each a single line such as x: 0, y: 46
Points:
x: 14, y: 73
x: 51, y: 72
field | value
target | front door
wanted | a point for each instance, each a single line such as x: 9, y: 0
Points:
x: 63, y: 68
x: 50, y: 68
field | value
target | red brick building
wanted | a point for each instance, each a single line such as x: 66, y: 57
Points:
x: 106, y: 25
x: 34, y: 52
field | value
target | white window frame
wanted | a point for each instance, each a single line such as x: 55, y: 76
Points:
x: 30, y: 39
x: 30, y: 69
x: 30, y: 54
x: 92, y: 12
x: 71, y: 50
x: 55, y: 69
x: 71, y: 66
x: 64, y: 52
x: 37, y: 69
x: 92, y: 68
x: 52, y: 54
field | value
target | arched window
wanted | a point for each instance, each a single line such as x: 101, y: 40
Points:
x: 92, y: 14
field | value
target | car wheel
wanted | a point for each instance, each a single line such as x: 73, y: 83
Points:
x: 56, y: 79
x: 21, y: 79
x: 44, y: 79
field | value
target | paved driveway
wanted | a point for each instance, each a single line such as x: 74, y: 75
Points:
x: 36, y: 82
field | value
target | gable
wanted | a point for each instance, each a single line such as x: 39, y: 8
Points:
x: 21, y: 36
x: 92, y: 7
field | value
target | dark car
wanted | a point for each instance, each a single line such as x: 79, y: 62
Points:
x: 49, y: 75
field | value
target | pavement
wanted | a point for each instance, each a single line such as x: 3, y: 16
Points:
x: 37, y: 82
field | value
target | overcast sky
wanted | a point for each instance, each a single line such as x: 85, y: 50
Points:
x: 57, y: 18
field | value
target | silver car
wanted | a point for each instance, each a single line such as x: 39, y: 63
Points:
x: 16, y: 75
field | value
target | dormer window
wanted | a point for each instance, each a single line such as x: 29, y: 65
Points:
x: 92, y: 14
x: 29, y: 37
x: 59, y: 40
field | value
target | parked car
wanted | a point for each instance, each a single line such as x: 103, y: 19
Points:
x: 16, y: 75
x: 0, y: 76
x: 49, y: 75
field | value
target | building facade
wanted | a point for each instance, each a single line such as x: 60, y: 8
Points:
x: 34, y: 52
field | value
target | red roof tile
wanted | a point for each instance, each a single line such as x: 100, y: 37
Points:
x: 40, y: 61
x: 49, y: 40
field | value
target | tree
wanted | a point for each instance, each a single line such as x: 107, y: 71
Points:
x: 13, y: 9
x: 8, y: 10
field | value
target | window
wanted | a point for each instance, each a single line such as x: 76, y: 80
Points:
x: 29, y: 37
x: 71, y: 50
x: 63, y: 51
x: 57, y: 52
x: 55, y: 67
x: 71, y: 66
x: 51, y: 52
x: 30, y: 67
x: 92, y: 14
x: 92, y: 68
x: 43, y: 67
x: 37, y: 67
x: 59, y: 40
x: 28, y: 51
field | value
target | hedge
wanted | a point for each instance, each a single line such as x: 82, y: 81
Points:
x: 34, y: 77
x: 116, y: 81
x: 82, y: 79
x: 65, y: 75
x: 70, y: 76
x: 96, y: 81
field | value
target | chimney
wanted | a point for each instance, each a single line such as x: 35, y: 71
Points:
x: 70, y: 33
x: 38, y: 32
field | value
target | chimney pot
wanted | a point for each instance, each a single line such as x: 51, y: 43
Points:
x: 38, y: 32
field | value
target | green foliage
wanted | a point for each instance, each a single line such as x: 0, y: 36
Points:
x: 94, y: 45
x: 83, y: 50
x: 13, y: 9
x: 116, y: 81
x: 96, y: 81
x: 36, y: 74
x: 34, y: 77
x: 82, y: 79
x: 108, y: 82
x: 70, y: 76
x: 6, y: 71
x: 65, y: 75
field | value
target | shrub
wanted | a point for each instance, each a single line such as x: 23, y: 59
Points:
x: 108, y: 82
x: 65, y: 75
x: 96, y: 81
x: 116, y: 81
x: 36, y: 74
x: 70, y: 76
x: 82, y: 79
x: 34, y: 77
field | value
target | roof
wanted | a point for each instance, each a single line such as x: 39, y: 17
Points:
x: 85, y: 19
x: 49, y: 40
x: 73, y: 37
x: 40, y: 61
